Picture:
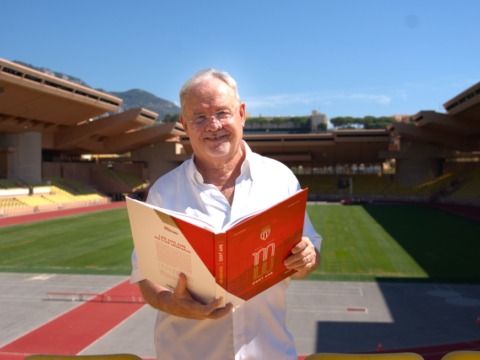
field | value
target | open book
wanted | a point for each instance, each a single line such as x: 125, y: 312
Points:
x: 235, y: 264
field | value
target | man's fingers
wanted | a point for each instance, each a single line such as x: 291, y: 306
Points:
x: 181, y: 285
x: 190, y: 308
x: 301, y: 245
x: 221, y: 312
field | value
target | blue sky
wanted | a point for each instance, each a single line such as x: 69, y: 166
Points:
x: 339, y: 57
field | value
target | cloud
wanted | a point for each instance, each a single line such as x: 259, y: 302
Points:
x: 370, y: 98
x: 316, y: 99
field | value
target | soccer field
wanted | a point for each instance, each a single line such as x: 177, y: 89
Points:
x: 361, y: 242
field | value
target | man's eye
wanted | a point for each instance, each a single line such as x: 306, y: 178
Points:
x: 200, y: 119
x: 223, y: 114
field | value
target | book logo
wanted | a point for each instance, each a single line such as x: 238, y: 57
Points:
x: 263, y: 261
x: 265, y: 233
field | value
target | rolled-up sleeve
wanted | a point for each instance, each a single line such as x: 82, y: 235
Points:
x: 311, y: 233
x: 135, y: 276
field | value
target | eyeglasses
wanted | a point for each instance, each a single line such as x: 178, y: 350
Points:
x: 223, y: 117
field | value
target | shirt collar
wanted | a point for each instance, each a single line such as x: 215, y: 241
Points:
x: 192, y: 171
x: 246, y: 169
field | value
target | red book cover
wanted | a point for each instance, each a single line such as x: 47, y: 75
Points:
x: 237, y: 263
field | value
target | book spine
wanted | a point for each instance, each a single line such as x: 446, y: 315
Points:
x: 221, y: 259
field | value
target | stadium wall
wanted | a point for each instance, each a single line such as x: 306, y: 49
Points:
x: 415, y: 171
x: 418, y: 162
x: 23, y: 160
x: 159, y: 158
x: 96, y: 175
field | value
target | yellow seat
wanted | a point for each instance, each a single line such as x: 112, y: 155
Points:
x: 375, y: 356
x: 84, y: 357
x: 462, y: 355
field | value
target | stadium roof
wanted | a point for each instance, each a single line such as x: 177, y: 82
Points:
x: 31, y: 99
x: 74, y: 118
x: 70, y: 117
x: 457, y: 129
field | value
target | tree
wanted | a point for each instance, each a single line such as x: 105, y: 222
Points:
x: 367, y: 122
x: 171, y: 118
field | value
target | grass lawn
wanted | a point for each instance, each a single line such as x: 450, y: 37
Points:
x: 362, y: 242
x: 95, y: 243
x: 391, y: 242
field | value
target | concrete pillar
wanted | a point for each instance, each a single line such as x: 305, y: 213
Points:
x: 24, y: 159
x: 418, y: 162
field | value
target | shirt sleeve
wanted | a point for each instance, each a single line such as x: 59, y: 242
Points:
x: 309, y: 231
x: 135, y: 276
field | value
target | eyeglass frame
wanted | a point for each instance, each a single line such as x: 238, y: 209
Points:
x: 202, y: 123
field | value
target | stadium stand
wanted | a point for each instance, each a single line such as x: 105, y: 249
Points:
x: 465, y: 188
x: 462, y: 187
x: 46, y: 197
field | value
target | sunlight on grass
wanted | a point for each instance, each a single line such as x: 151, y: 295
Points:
x: 356, y: 246
x: 99, y: 242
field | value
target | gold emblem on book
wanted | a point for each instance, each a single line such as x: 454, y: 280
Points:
x: 265, y: 233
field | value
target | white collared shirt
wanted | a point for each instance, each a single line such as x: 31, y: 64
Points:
x: 256, y: 329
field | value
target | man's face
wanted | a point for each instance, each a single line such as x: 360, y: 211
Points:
x: 213, y: 120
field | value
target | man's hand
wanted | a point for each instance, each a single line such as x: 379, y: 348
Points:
x: 180, y: 302
x: 305, y: 258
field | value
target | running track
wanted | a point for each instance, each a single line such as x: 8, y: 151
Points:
x: 76, y: 329
x: 22, y: 219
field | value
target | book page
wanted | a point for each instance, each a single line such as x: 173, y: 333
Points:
x: 163, y: 252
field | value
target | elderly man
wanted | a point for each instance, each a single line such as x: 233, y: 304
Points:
x: 224, y: 180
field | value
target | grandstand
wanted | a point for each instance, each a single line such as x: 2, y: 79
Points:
x: 55, y: 195
x: 78, y: 138
x: 464, y: 188
x: 460, y: 188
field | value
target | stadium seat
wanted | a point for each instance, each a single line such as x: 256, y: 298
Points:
x: 375, y: 356
x: 462, y: 355
x: 122, y: 356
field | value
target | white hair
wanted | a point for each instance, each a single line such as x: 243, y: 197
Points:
x: 208, y: 74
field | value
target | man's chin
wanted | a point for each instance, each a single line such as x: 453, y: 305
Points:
x: 218, y: 150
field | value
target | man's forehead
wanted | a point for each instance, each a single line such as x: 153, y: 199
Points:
x: 210, y: 86
x: 209, y: 93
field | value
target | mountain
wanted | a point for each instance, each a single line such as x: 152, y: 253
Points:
x: 141, y: 98
x: 131, y: 99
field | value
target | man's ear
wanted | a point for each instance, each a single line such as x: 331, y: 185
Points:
x: 184, y: 123
x: 243, y: 113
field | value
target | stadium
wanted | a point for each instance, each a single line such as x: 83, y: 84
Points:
x: 56, y: 130
x: 69, y: 150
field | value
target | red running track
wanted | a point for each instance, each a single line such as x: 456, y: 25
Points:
x: 76, y: 329
x: 23, y: 219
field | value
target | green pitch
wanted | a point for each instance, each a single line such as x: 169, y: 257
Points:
x: 391, y: 242
x: 369, y: 242
x: 95, y: 243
